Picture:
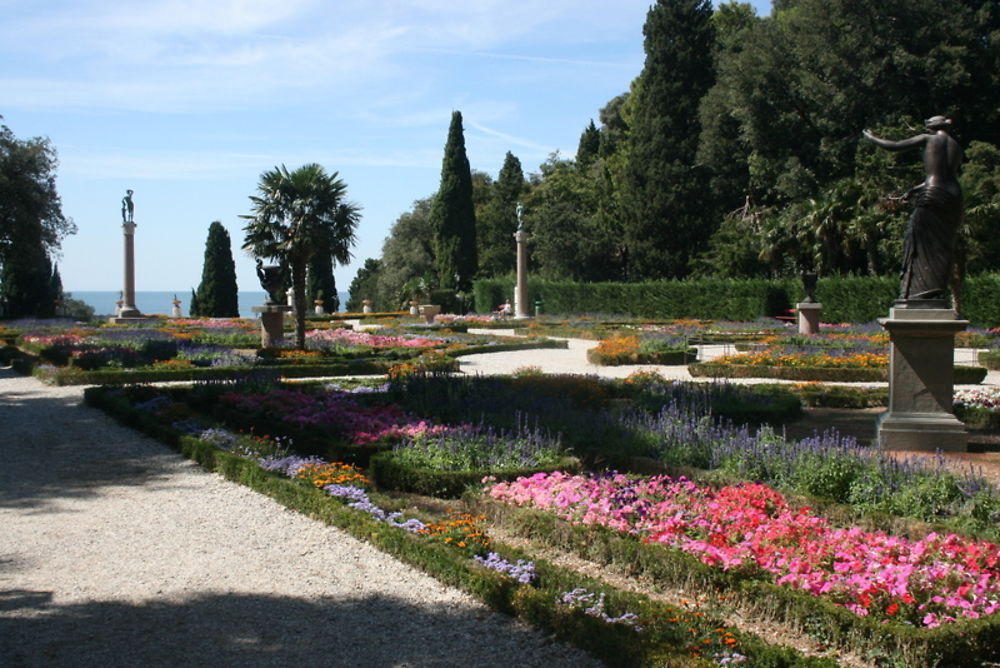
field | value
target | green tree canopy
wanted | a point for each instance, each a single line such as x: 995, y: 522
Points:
x: 365, y: 286
x: 32, y: 224
x: 496, y: 226
x: 296, y: 215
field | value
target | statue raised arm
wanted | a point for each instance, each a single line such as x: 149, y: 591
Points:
x: 930, y: 235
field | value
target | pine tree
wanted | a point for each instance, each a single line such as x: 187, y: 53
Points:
x: 218, y: 295
x: 452, y: 216
x: 664, y: 193
x: 497, y: 248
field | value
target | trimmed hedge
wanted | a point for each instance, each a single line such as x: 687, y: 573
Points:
x: 990, y: 360
x: 390, y: 474
x: 672, y: 358
x: 844, y: 299
x: 964, y: 375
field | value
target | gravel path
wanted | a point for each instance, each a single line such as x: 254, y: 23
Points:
x: 115, y: 551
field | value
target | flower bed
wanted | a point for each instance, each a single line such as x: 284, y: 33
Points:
x: 445, y: 461
x: 901, y: 587
x: 645, y: 349
x: 622, y: 628
x: 978, y: 408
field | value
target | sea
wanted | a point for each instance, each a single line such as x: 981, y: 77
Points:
x: 157, y: 302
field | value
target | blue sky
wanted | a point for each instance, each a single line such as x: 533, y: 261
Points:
x: 188, y: 102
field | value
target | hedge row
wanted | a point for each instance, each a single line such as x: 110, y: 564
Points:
x: 847, y: 299
x: 964, y: 375
x: 391, y: 474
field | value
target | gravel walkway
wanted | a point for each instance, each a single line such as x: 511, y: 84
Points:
x: 115, y: 551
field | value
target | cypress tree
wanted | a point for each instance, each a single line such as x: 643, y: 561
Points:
x: 452, y: 216
x: 589, y: 147
x: 320, y: 282
x: 218, y: 295
x: 497, y: 248
x: 664, y: 192
x: 194, y: 308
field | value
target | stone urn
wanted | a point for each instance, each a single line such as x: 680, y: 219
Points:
x: 271, y: 277
x: 176, y: 312
x: 366, y: 306
x: 318, y: 303
x: 413, y: 308
x: 429, y: 311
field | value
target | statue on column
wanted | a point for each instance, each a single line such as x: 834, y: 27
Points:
x: 930, y: 235
x: 128, y: 208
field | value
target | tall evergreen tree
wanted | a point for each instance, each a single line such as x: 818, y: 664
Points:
x: 321, y: 283
x: 56, y: 294
x: 589, y: 147
x: 664, y: 192
x: 496, y: 228
x: 218, y: 295
x: 452, y: 215
x: 365, y: 286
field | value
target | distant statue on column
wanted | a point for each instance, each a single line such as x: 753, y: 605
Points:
x: 128, y: 208
x: 930, y: 235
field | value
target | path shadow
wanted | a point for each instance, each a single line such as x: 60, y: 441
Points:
x: 250, y: 630
x: 53, y: 447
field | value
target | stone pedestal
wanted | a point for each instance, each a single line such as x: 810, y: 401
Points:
x: 272, y: 323
x: 809, y: 313
x: 413, y: 309
x: 521, y: 287
x: 921, y: 380
x: 176, y: 310
x: 429, y: 311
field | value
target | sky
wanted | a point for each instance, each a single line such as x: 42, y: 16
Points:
x: 188, y: 102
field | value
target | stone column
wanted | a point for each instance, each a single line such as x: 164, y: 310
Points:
x: 521, y: 288
x: 128, y: 309
x: 921, y: 380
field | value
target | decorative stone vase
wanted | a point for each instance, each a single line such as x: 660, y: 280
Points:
x: 413, y: 308
x: 429, y: 311
x: 176, y: 312
x: 319, y: 306
x: 366, y: 306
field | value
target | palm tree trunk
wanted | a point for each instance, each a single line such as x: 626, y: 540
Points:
x: 299, y: 288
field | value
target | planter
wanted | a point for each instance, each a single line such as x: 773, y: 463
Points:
x: 429, y: 311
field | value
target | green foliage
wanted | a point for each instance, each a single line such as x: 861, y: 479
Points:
x: 407, y: 254
x: 589, y: 147
x: 496, y: 226
x: 217, y: 295
x: 32, y: 224
x: 365, y: 286
x: 664, y: 193
x: 452, y: 216
x: 320, y: 282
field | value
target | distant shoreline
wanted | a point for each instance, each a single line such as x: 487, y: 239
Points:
x: 153, y: 302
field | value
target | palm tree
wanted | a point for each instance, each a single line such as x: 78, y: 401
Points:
x: 295, y: 215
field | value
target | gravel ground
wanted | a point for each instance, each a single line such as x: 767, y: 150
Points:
x: 115, y: 551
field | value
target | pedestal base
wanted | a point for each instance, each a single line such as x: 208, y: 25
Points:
x: 809, y: 313
x: 921, y: 381
x: 137, y: 319
x: 272, y: 323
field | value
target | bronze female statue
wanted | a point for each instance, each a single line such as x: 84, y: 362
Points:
x: 930, y: 235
